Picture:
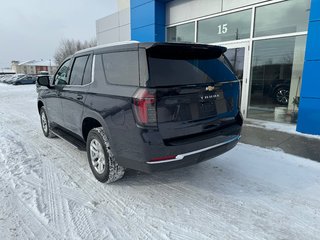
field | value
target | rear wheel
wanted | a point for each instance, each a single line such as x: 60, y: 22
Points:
x: 101, y: 159
x: 45, y: 125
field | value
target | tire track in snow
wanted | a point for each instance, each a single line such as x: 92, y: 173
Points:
x: 26, y: 218
x: 217, y: 211
x: 96, y: 191
x: 54, y: 198
x: 102, y: 197
x: 82, y: 221
x: 116, y: 205
x: 266, y: 205
x: 56, y: 206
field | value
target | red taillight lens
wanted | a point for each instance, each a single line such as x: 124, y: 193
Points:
x: 144, y: 103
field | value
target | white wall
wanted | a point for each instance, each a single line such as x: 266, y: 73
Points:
x: 232, y: 4
x: 114, y: 28
x: 183, y: 10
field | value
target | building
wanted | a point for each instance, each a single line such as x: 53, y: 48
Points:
x: 33, y: 67
x: 272, y: 44
x: 5, y: 71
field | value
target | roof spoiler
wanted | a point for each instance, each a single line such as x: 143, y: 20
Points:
x: 183, y: 50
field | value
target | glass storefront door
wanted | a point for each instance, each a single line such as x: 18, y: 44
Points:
x: 238, y: 55
x: 271, y: 70
x: 276, y: 75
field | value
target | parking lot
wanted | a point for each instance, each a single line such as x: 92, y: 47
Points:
x: 47, y: 190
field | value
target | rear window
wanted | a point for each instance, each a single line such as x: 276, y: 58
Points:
x: 188, y: 69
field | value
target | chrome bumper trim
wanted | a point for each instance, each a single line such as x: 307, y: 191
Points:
x: 181, y: 156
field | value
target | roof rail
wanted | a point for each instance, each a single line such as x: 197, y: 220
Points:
x: 106, y: 45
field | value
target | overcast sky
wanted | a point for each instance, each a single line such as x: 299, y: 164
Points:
x: 33, y: 29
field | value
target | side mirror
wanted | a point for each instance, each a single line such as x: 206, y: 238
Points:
x: 43, y: 81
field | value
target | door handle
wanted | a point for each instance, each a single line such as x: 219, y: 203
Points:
x: 79, y: 97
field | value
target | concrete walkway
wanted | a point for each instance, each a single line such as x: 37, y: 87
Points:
x: 290, y: 143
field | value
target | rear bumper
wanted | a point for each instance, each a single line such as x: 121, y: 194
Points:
x: 191, y: 158
x: 203, y: 150
x: 146, y: 146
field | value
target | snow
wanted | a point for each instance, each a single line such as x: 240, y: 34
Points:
x: 37, y: 63
x: 48, y: 192
x: 281, y: 127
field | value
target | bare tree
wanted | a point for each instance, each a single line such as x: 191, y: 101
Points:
x: 68, y: 47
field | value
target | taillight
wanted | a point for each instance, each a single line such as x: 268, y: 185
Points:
x: 144, y: 104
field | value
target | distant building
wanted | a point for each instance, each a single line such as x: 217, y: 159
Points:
x: 33, y: 66
x: 4, y: 71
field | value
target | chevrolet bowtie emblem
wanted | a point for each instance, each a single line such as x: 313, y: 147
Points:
x: 210, y: 88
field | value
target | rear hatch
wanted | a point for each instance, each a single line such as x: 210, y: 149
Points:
x: 195, y: 89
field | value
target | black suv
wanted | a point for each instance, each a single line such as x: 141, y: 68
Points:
x: 143, y: 106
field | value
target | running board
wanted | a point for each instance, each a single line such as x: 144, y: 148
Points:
x: 69, y: 138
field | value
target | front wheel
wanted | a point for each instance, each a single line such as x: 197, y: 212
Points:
x: 101, y: 159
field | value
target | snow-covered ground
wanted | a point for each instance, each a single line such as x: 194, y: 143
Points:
x: 48, y: 192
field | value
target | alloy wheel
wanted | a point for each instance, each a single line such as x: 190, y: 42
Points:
x: 44, y: 122
x: 98, y: 159
x: 282, y: 96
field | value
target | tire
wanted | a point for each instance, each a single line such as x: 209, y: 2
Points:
x: 101, y: 159
x: 281, y: 95
x: 45, y: 125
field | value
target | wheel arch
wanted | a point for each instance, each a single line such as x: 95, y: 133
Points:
x: 89, y: 123
x: 40, y: 105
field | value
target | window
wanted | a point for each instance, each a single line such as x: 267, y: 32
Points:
x: 228, y: 27
x: 287, y: 17
x: 121, y: 68
x: 181, y: 33
x: 62, y: 74
x: 87, y: 72
x: 276, y: 77
x: 169, y: 72
x: 78, y: 70
x: 236, y: 58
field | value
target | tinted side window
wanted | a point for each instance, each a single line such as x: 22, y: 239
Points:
x: 78, y: 70
x: 61, y: 75
x: 87, y: 72
x: 121, y: 68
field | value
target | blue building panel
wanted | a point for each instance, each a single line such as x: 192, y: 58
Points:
x: 143, y: 15
x: 143, y: 34
x: 313, y: 46
x: 137, y: 3
x: 160, y: 10
x: 309, y: 116
x: 309, y: 106
x: 311, y: 82
x: 148, y: 20
x: 159, y: 33
x: 315, y: 13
